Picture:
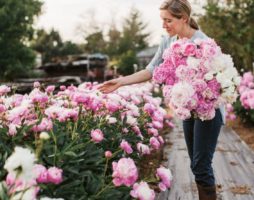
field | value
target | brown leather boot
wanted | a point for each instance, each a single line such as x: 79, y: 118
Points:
x: 206, y: 193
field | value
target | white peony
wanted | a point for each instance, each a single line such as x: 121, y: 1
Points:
x: 21, y: 164
x: 131, y: 120
x: 111, y: 120
x: 114, y: 97
x: 222, y: 79
x: 181, y: 94
x: 229, y: 96
x: 133, y: 109
x: 218, y: 63
x: 230, y: 73
x: 28, y: 194
x: 228, y: 60
x: 226, y: 83
x: 237, y: 80
x: 194, y: 62
x: 209, y: 76
x: 44, y: 136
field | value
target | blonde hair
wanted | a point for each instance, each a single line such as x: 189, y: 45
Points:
x: 178, y: 9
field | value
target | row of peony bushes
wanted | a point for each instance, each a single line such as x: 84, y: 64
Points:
x: 77, y: 143
x: 244, y: 106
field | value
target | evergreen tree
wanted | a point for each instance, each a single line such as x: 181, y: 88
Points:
x: 113, y: 42
x: 133, y: 35
x: 134, y: 38
x: 126, y: 62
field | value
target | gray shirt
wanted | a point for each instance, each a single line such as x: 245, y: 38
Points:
x: 165, y: 43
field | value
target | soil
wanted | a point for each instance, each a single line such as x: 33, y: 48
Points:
x: 150, y: 163
x: 245, y: 132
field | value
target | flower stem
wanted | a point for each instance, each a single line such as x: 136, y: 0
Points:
x: 74, y: 130
x: 106, y: 167
x: 55, y: 146
x: 104, y: 188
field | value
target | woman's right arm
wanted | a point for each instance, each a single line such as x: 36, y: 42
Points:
x: 141, y: 76
x: 111, y: 85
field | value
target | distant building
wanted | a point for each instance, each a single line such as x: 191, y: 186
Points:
x: 146, y: 55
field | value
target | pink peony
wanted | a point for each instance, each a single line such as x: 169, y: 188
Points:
x: 97, y: 135
x: 143, y: 149
x: 161, y: 140
x: 189, y: 49
x: 136, y: 129
x: 37, y: 84
x: 41, y: 173
x: 54, y: 175
x: 149, y: 108
x: 80, y: 98
x: 124, y: 172
x: 108, y: 154
x: 126, y: 147
x: 165, y: 176
x: 112, y: 106
x: 62, y: 87
x: 50, y: 89
x: 142, y: 191
x: 12, y: 130
x: 154, y: 142
x: 157, y: 124
x: 45, y: 125
x: 4, y: 90
x: 153, y: 131
x: 38, y: 97
x: 10, y: 179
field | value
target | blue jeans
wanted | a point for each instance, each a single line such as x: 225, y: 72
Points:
x: 201, y: 139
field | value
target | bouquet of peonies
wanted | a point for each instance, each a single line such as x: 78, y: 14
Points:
x: 197, y: 78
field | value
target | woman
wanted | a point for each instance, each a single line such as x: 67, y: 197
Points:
x: 200, y: 136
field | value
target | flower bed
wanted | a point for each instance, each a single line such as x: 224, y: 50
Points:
x: 79, y: 143
x: 244, y: 107
x: 241, y: 114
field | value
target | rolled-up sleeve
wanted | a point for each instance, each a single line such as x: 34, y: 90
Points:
x: 157, y: 59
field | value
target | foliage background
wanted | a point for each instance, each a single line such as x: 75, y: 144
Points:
x: 231, y: 24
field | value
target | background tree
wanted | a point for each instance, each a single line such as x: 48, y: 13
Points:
x: 92, y: 32
x: 126, y: 62
x: 113, y: 42
x: 121, y: 44
x: 16, y: 20
x: 231, y: 23
x: 48, y: 44
x: 51, y: 46
x: 133, y: 35
x: 95, y: 42
x: 134, y: 38
x: 70, y: 48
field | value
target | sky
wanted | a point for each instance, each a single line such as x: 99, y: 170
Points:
x: 66, y: 16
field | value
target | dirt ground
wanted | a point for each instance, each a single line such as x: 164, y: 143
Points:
x: 150, y: 163
x: 245, y: 132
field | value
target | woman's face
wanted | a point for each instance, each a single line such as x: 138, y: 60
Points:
x: 171, y: 24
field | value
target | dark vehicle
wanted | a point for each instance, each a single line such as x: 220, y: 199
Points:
x: 89, y: 67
